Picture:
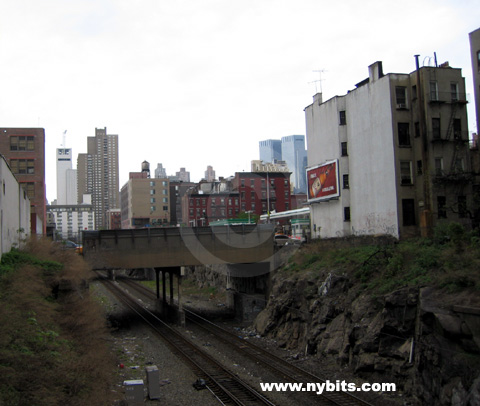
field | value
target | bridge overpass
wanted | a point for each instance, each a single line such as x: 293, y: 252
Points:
x: 178, y: 246
x: 246, y: 250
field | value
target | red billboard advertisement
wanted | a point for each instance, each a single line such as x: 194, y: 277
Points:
x: 322, y: 181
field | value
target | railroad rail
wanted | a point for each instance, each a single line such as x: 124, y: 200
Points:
x: 283, y: 369
x: 226, y: 387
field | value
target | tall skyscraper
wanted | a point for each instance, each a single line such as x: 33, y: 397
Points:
x: 183, y: 175
x: 66, y: 177
x: 209, y: 174
x: 98, y: 174
x: 295, y: 155
x: 270, y: 150
x: 160, y: 171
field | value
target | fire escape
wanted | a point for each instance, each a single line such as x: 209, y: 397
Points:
x: 455, y: 171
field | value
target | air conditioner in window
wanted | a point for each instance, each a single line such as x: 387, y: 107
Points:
x: 401, y: 106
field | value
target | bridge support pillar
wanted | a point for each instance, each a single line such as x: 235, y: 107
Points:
x: 111, y: 274
x: 168, y: 308
x: 247, y: 288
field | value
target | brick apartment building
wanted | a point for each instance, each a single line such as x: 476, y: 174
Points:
x: 254, y: 192
x: 24, y: 151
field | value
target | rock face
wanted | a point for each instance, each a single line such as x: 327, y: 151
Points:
x: 411, y: 336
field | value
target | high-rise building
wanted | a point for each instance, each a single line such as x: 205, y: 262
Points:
x: 270, y: 150
x: 160, y: 171
x: 66, y: 177
x: 209, y: 174
x: 295, y: 155
x: 291, y: 150
x: 475, y: 54
x: 24, y: 150
x: 183, y: 175
x: 391, y: 156
x: 97, y: 172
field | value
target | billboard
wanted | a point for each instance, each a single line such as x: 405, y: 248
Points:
x: 322, y: 181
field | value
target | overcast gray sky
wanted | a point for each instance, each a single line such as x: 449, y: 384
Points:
x: 191, y: 83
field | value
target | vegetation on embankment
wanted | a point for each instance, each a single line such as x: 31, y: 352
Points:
x: 384, y: 310
x: 52, y: 340
x: 450, y: 260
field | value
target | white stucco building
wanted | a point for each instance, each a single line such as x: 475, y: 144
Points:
x: 391, y: 156
x: 14, y: 210
x: 71, y: 219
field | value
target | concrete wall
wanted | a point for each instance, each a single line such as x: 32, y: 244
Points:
x: 373, y: 186
x: 14, y: 210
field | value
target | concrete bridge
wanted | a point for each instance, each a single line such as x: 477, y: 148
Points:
x: 178, y: 246
x: 246, y: 251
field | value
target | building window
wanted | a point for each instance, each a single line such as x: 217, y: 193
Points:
x: 408, y: 210
x: 23, y: 166
x: 165, y: 200
x: 401, y: 97
x: 344, y: 149
x: 404, y: 134
x: 442, y: 207
x: 462, y: 206
x: 346, y: 213
x: 152, y: 191
x: 152, y: 200
x: 152, y: 183
x: 459, y: 165
x: 419, y: 167
x: 30, y: 189
x: 22, y: 143
x: 342, y: 117
x: 457, y: 129
x: 436, y: 128
x: 345, y: 181
x: 438, y: 166
x: 454, y: 91
x: 252, y: 182
x: 406, y: 172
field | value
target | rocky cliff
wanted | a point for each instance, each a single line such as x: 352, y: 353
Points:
x: 425, y: 340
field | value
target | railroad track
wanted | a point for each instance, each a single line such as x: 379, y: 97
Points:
x: 228, y: 388
x: 285, y: 371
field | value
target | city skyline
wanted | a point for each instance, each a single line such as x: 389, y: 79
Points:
x: 194, y: 84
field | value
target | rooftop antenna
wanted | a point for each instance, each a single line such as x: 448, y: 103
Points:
x: 319, y: 80
x: 63, y: 138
